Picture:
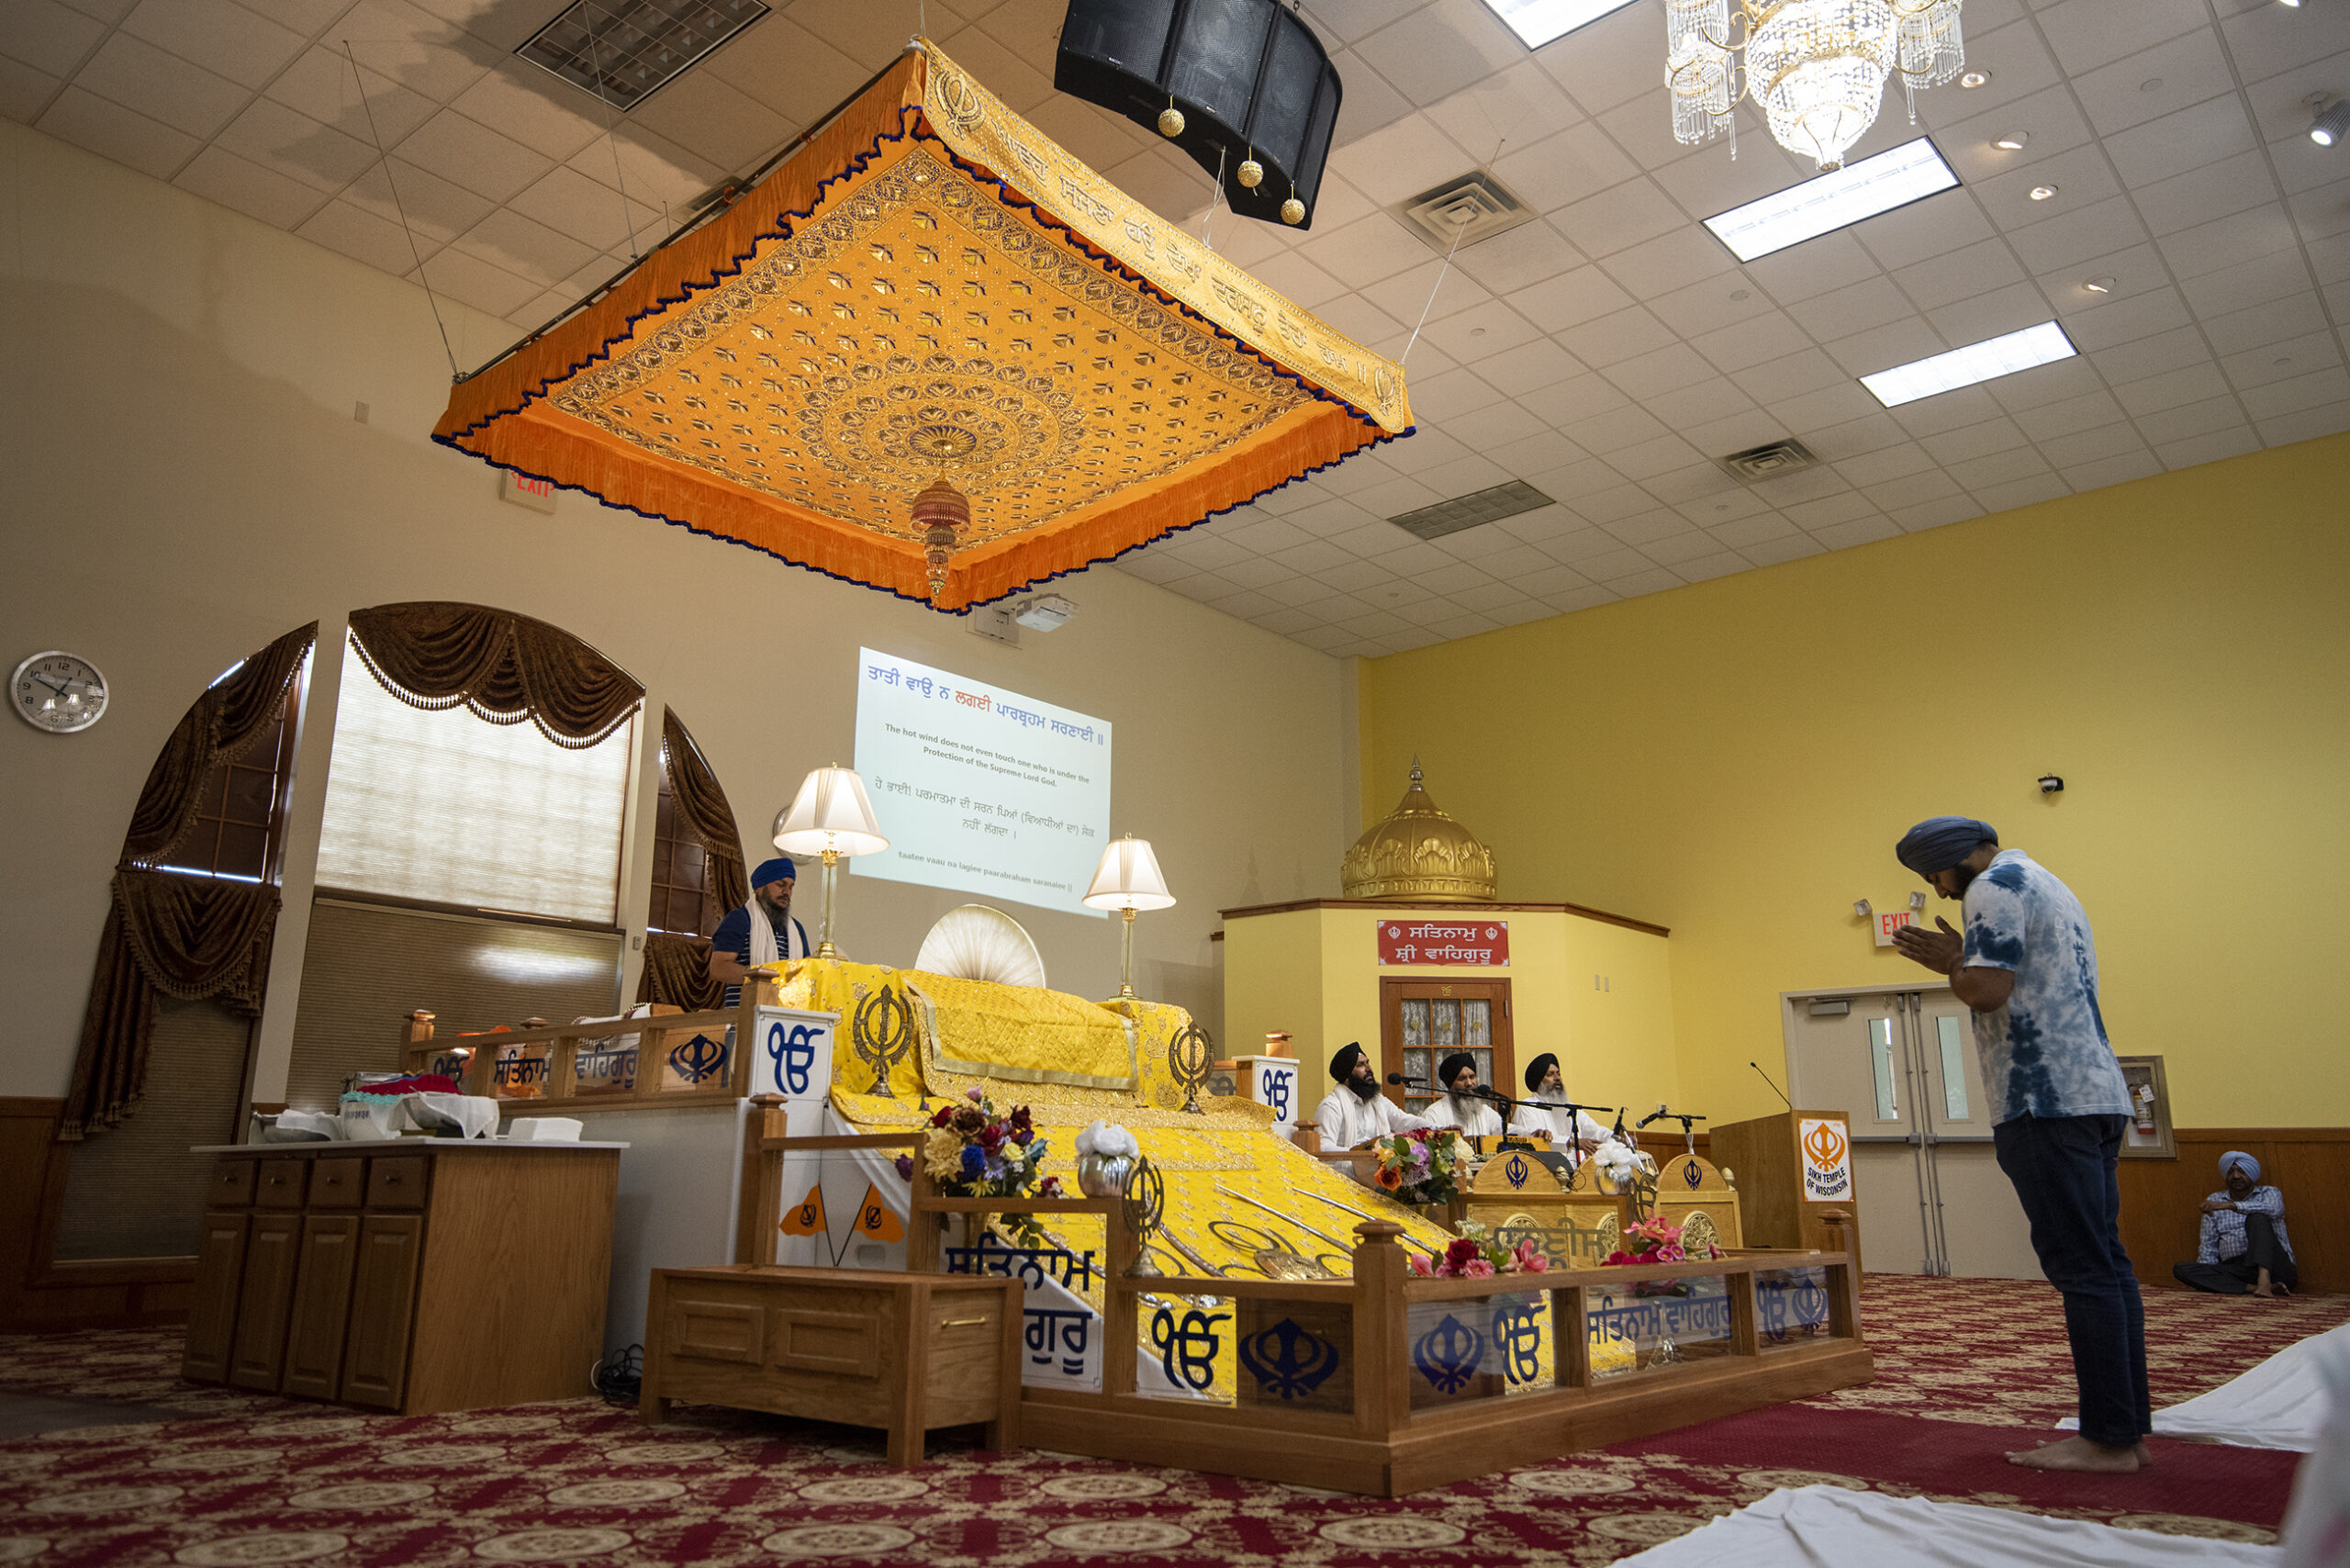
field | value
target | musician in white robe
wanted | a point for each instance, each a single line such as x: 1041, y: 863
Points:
x: 1565, y: 1128
x: 1355, y: 1112
x: 1461, y: 1106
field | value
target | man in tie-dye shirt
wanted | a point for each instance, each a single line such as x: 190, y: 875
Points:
x: 2026, y: 967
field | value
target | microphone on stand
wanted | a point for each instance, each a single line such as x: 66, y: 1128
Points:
x: 1774, y: 1088
x: 1408, y: 1082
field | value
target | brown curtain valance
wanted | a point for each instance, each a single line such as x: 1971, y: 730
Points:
x: 702, y: 808
x: 677, y: 971
x: 168, y: 935
x: 504, y: 667
x: 222, y: 724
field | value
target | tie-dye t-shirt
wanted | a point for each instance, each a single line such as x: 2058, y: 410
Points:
x: 2044, y: 1053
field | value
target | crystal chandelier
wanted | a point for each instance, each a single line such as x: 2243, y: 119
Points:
x: 1817, y: 67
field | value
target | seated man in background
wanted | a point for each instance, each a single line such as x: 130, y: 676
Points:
x: 2245, y: 1248
x: 1462, y: 1106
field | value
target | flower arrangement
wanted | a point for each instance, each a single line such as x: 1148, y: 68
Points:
x: 1421, y: 1166
x: 1654, y: 1241
x: 1621, y: 1163
x: 972, y: 1152
x: 1475, y: 1255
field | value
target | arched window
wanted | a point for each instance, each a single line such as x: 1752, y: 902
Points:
x: 182, y: 964
x: 471, y: 848
x: 698, y: 876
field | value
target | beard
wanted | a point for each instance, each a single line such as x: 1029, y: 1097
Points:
x: 776, y: 905
x: 1365, y: 1085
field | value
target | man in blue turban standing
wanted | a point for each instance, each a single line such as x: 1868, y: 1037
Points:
x: 761, y: 932
x: 2026, y: 967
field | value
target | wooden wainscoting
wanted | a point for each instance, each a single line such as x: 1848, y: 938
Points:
x: 39, y: 1293
x: 2162, y: 1199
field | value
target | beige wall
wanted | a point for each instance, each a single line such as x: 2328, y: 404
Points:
x: 188, y: 480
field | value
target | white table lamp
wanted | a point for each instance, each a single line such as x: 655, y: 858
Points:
x: 1128, y: 879
x: 830, y: 817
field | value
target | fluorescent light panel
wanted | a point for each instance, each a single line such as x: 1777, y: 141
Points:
x: 1910, y: 172
x: 1986, y: 361
x: 1540, y: 22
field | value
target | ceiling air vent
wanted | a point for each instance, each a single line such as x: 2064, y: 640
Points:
x: 1473, y: 207
x: 1469, y: 511
x: 1774, y: 461
x: 624, y: 50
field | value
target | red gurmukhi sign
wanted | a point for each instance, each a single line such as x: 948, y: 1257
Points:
x: 1481, y: 944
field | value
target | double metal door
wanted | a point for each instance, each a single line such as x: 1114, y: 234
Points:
x: 1904, y: 1063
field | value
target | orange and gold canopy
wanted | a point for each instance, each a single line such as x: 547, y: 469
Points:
x: 931, y: 290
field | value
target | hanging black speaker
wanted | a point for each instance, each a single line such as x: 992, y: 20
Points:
x: 1242, y: 85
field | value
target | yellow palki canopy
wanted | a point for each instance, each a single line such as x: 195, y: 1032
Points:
x: 932, y: 294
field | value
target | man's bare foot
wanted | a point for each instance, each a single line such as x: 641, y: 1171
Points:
x: 2079, y: 1454
x: 2265, y: 1292
x: 2145, y: 1455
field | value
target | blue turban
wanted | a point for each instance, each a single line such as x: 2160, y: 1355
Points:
x: 1939, y: 842
x: 2234, y: 1158
x: 780, y: 869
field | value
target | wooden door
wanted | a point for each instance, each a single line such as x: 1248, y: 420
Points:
x: 383, y: 1309
x: 322, y: 1305
x: 212, y: 1312
x: 257, y: 1358
x: 1424, y: 1020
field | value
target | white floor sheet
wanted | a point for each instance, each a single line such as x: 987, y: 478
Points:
x: 1829, y: 1526
x: 2280, y: 1403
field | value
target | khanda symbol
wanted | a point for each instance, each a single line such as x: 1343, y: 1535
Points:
x: 1288, y: 1361
x: 882, y: 1030
x: 697, y: 1058
x: 1515, y: 1170
x: 1448, y: 1354
x: 1187, y: 1349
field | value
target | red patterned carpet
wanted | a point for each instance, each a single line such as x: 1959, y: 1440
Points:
x: 246, y: 1478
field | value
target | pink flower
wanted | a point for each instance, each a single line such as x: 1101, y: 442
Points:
x: 1535, y: 1263
x: 1671, y: 1253
x: 971, y: 1094
x: 1420, y: 1266
x: 1476, y: 1268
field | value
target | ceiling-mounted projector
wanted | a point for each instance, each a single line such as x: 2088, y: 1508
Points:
x: 1045, y: 612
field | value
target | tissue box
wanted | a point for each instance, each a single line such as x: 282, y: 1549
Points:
x: 544, y: 1129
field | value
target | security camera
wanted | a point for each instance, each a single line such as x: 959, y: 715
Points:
x: 2051, y: 784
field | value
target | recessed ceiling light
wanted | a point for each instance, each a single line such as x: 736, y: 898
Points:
x: 2295, y: 3
x: 1538, y: 22
x: 2099, y: 286
x: 2012, y: 141
x: 2042, y: 193
x: 1835, y: 200
x: 1985, y: 361
x: 1973, y: 79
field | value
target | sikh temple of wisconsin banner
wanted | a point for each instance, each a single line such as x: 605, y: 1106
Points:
x: 933, y: 354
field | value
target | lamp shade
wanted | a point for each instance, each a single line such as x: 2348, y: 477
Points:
x: 1128, y: 878
x: 831, y: 811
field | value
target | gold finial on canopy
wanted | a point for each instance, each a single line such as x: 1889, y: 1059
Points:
x: 1419, y: 855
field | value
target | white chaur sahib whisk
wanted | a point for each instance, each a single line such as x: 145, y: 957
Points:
x: 975, y: 942
x: 1817, y: 68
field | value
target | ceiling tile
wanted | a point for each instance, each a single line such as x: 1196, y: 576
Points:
x: 2321, y: 389
x: 514, y: 243
x: 1881, y: 348
x: 1010, y: 49
x: 436, y: 209
x: 2154, y: 82
x: 465, y: 153
x: 1936, y: 514
x: 2214, y: 191
x: 1813, y: 268
x: 2276, y: 275
x: 1621, y: 218
x: 800, y: 76
x: 1667, y: 369
x: 2241, y: 331
x: 1402, y: 160
x: 296, y: 146
x: 1672, y: 261
x: 1438, y: 49
x: 1963, y: 273
x: 2069, y: 452
x: 320, y: 84
x: 2087, y: 34
x: 571, y: 204
x: 2052, y: 118
x: 363, y: 237
x: 1935, y: 227
x: 1618, y: 56
x: 2209, y: 448
x: 1700, y: 405
x: 2292, y: 359
x: 2242, y: 237
x: 224, y: 38
x: 1614, y: 338
x: 2139, y: 464
x: 2268, y: 39
x: 2127, y: 320
x: 537, y: 109
x: 2187, y: 139
x: 2075, y: 236
x: 2306, y: 424
x: 1871, y: 302
x: 48, y: 36
x: 2067, y: 416
x: 112, y: 131
x: 2180, y: 422
x: 1517, y: 106
x: 162, y: 85
x: 25, y: 92
x: 1366, y: 251
x: 1888, y: 463
x: 2081, y: 179
x: 472, y: 281
x: 1368, y: 103
x: 247, y: 187
x: 422, y: 52
x: 1570, y: 300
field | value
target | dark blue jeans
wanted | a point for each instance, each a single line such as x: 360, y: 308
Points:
x: 2063, y: 1168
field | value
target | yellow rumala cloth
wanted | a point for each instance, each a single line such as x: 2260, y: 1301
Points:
x: 930, y: 289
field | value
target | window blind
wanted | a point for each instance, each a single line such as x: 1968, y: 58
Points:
x: 451, y: 809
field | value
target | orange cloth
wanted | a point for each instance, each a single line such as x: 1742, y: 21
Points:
x: 891, y: 306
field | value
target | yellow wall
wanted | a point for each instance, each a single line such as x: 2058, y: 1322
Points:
x: 1314, y: 973
x: 1735, y: 760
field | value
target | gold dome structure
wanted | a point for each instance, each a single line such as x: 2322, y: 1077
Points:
x: 1419, y: 855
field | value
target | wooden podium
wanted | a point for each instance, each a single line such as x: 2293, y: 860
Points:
x: 1791, y: 1169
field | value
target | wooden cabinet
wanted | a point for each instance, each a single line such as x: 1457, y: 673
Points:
x: 375, y: 1368
x: 219, y: 1275
x: 417, y: 1276
x: 321, y: 1303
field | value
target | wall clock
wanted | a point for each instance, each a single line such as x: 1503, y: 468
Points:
x: 59, y: 692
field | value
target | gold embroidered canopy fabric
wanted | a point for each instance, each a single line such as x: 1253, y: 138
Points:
x: 931, y: 290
